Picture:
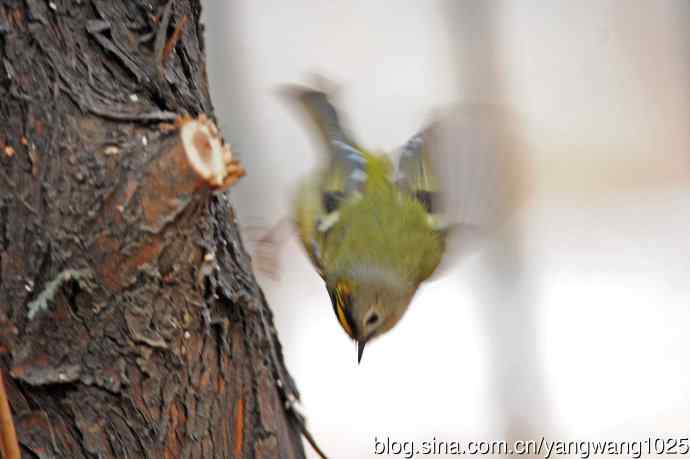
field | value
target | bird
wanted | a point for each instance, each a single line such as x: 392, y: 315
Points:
x: 368, y: 226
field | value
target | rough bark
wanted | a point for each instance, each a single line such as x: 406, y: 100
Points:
x: 131, y: 325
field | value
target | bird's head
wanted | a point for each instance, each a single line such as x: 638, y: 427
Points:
x: 369, y: 302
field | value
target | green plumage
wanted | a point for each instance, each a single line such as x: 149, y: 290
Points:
x: 381, y: 226
x: 365, y: 226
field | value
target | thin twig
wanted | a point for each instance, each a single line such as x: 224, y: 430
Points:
x: 302, y: 426
x: 312, y: 442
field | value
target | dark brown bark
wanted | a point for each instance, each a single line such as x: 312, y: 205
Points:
x: 131, y: 325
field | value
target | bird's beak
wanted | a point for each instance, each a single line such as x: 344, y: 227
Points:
x: 360, y: 350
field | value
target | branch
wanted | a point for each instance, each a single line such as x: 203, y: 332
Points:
x: 187, y: 166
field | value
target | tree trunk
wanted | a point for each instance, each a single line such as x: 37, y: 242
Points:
x: 131, y: 325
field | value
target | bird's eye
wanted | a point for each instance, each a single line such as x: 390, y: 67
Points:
x: 372, y: 319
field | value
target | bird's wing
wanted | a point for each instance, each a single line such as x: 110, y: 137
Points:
x: 346, y: 169
x: 459, y: 168
x: 308, y: 211
x: 414, y: 174
x: 319, y: 198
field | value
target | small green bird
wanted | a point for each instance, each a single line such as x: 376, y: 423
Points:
x: 368, y: 229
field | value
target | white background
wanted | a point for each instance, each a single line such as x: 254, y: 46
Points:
x: 587, y: 337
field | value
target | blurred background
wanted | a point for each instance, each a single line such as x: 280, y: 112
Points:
x: 573, y: 132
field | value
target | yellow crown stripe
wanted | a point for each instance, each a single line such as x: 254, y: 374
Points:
x: 343, y: 320
x: 341, y: 291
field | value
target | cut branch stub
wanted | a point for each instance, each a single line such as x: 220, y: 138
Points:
x: 206, y: 153
x: 189, y: 163
x: 196, y: 159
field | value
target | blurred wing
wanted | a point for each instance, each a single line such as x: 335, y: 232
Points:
x: 319, y: 198
x: 347, y: 168
x: 321, y: 112
x: 459, y: 168
x: 308, y: 212
x: 415, y: 175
